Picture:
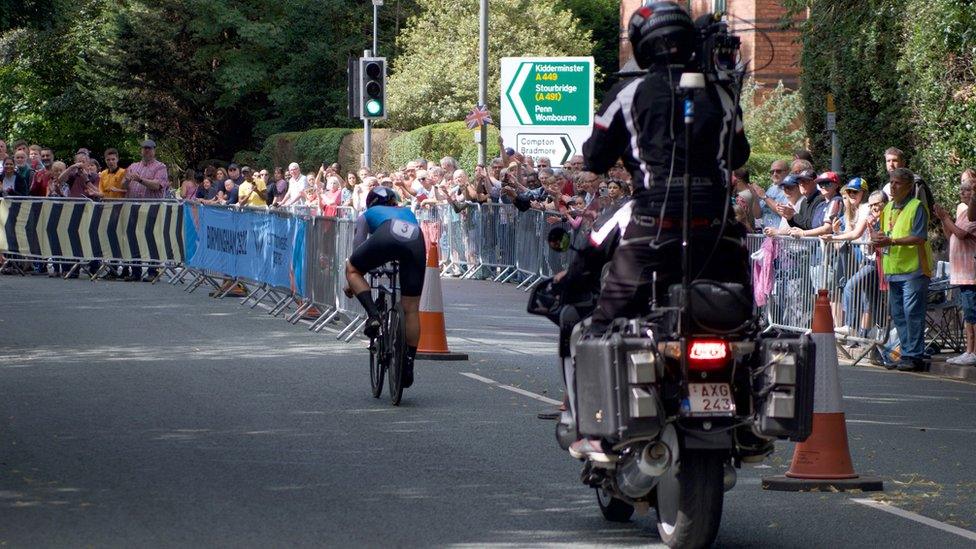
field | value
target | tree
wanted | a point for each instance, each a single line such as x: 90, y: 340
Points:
x: 42, y: 100
x: 435, y: 78
x: 212, y: 77
x: 602, y: 19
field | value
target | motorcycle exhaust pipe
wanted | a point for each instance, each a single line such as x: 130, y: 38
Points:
x: 637, y: 475
x: 729, y: 477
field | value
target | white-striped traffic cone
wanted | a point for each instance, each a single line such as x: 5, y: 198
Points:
x: 433, y: 332
x: 823, y: 461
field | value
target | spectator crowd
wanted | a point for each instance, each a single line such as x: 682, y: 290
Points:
x: 879, y: 237
x: 873, y: 242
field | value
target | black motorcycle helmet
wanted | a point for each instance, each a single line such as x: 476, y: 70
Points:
x: 661, y: 33
x: 544, y: 300
x: 381, y: 196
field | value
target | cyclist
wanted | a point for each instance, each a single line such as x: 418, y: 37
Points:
x: 384, y: 233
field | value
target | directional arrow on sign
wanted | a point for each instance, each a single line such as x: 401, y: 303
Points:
x: 522, y: 113
x: 562, y: 146
x: 569, y: 149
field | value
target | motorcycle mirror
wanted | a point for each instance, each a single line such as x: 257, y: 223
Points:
x: 558, y: 239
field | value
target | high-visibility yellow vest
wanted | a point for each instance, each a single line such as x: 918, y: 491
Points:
x: 904, y: 259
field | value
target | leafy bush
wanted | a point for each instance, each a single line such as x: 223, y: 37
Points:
x: 439, y: 140
x: 314, y: 147
x: 903, y: 74
x: 248, y: 158
x: 775, y: 123
x: 938, y: 63
x: 310, y: 149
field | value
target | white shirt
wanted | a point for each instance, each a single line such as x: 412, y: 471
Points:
x: 296, y: 190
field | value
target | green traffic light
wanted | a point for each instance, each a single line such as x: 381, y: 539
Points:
x: 373, y: 107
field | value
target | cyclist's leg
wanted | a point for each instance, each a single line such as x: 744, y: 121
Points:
x: 366, y: 257
x: 355, y: 279
x: 413, y: 267
x: 411, y: 319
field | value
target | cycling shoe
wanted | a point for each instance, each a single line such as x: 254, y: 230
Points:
x: 407, y: 373
x: 372, y: 328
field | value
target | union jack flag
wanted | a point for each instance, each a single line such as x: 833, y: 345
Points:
x: 479, y: 116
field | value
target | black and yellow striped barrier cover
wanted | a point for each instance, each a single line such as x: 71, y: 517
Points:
x: 81, y: 229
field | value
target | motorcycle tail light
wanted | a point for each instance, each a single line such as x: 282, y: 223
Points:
x: 707, y: 355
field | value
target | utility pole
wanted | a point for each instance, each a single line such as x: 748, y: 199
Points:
x: 832, y: 128
x: 367, y: 123
x: 483, y: 80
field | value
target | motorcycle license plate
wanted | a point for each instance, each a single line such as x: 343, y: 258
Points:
x: 710, y: 399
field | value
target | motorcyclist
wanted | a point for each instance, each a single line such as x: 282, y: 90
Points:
x: 642, y: 121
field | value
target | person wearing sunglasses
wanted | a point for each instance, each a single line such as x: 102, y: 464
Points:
x: 825, y: 212
x: 772, y: 198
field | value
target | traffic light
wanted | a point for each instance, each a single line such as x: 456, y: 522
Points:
x: 372, y: 89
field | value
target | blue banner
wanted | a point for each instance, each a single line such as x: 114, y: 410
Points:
x: 249, y: 244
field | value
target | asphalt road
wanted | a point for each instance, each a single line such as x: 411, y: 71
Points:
x: 139, y: 415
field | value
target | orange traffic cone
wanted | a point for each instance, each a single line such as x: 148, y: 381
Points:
x: 433, y: 334
x: 823, y: 461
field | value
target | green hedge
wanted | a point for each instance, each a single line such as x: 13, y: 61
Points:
x: 310, y: 149
x: 436, y: 141
x: 901, y: 72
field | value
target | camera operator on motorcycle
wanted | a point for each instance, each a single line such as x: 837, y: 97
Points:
x: 642, y: 121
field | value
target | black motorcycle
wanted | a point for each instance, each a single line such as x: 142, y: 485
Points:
x: 681, y: 410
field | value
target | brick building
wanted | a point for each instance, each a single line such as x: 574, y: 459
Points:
x: 772, y: 52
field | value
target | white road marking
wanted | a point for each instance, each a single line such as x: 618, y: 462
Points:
x: 887, y: 508
x: 522, y: 392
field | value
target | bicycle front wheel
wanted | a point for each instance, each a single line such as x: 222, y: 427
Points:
x: 397, y: 353
x: 377, y: 366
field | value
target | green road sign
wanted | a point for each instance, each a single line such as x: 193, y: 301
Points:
x: 552, y: 93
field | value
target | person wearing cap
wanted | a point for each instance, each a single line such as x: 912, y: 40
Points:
x: 810, y: 199
x: 825, y: 212
x: 907, y: 262
x: 809, y: 219
x: 148, y: 178
x: 790, y: 185
x: 252, y: 191
x: 859, y: 216
x: 234, y: 172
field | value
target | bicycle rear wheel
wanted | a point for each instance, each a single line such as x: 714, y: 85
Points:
x: 397, y: 353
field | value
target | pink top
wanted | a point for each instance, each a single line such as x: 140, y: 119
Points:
x: 962, y: 265
x: 154, y: 171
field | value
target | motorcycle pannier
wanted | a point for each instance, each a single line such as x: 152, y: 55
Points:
x: 615, y: 387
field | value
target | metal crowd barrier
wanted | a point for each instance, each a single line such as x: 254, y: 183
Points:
x: 492, y: 242
x: 317, y: 255
x: 69, y: 235
x: 849, y: 271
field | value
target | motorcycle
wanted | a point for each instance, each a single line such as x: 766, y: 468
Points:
x: 681, y: 403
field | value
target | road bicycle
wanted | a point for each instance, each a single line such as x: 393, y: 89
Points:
x: 388, y: 350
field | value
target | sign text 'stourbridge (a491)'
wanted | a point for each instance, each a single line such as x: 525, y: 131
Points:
x: 547, y: 105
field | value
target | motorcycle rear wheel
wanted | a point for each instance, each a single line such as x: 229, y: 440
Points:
x: 613, y: 509
x: 689, y: 499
